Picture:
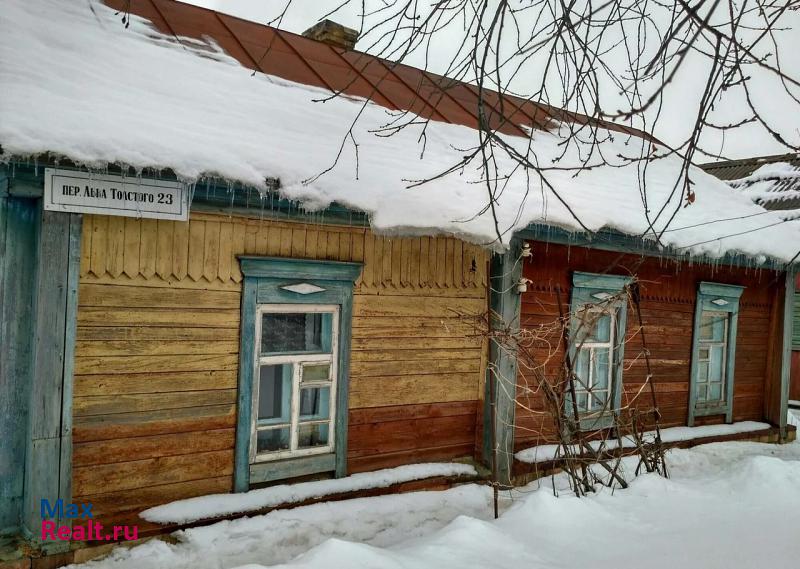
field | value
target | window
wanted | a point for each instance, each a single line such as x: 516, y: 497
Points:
x: 714, y: 351
x: 294, y: 397
x: 713, y: 345
x: 594, y: 354
x: 293, y: 369
x: 597, y: 327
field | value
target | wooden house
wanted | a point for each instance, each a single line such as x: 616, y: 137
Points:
x: 712, y: 339
x: 150, y: 360
x: 775, y: 189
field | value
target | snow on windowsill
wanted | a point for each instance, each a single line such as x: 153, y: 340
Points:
x: 545, y: 453
x: 219, y: 505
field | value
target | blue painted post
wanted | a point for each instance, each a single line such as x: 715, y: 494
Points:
x: 10, y: 479
x: 48, y: 458
x: 17, y: 249
x: 501, y: 381
x: 247, y: 354
x: 70, y: 333
x: 343, y: 385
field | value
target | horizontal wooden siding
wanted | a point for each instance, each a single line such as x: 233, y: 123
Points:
x: 157, y: 351
x: 668, y: 301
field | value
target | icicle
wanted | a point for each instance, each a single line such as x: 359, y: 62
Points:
x: 190, y: 187
x: 261, y: 199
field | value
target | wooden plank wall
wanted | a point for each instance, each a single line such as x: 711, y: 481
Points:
x: 157, y: 351
x: 794, y: 380
x: 18, y: 219
x: 668, y: 302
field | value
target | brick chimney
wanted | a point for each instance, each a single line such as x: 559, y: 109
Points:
x: 334, y: 34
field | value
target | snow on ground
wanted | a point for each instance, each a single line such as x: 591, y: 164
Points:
x: 78, y: 84
x: 217, y: 505
x: 726, y: 505
x: 794, y: 418
x: 543, y: 453
x: 280, y: 536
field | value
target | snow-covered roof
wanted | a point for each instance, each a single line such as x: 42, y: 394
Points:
x: 774, y: 186
x: 76, y: 83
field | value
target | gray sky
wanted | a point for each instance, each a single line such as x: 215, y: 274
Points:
x: 676, y: 116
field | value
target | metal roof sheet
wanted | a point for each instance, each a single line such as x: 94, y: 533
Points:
x: 389, y: 84
x: 738, y: 169
x: 776, y: 192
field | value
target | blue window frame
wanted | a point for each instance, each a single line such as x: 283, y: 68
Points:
x: 714, y: 350
x: 293, y: 369
x: 598, y: 318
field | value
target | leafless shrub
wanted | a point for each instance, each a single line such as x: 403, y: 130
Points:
x: 586, y: 441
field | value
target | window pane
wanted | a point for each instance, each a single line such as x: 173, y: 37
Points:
x: 712, y: 326
x: 702, y: 371
x: 314, y: 435
x: 272, y: 439
x: 583, y: 399
x: 274, y: 394
x: 600, y: 365
x: 715, y: 392
x: 702, y: 393
x: 296, y: 332
x: 601, y: 329
x: 703, y: 354
x: 593, y: 326
x: 599, y: 397
x: 316, y: 372
x: 716, y: 364
x: 315, y: 403
x: 582, y: 369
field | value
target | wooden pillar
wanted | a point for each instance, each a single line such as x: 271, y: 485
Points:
x: 241, y: 473
x: 786, y: 348
x: 776, y: 394
x: 48, y: 468
x: 501, y: 382
x: 17, y: 248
